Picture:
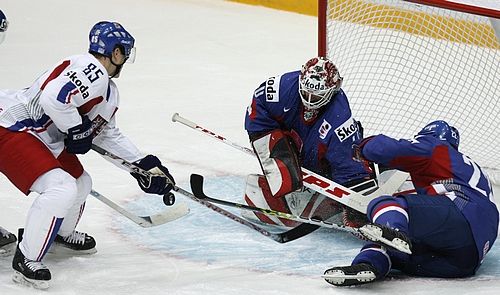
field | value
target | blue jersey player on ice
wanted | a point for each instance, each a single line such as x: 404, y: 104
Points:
x: 451, y: 222
x: 301, y: 118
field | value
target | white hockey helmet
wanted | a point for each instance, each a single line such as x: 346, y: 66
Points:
x: 319, y: 80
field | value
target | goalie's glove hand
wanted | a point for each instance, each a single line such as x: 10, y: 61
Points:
x: 161, y: 181
x: 79, y: 138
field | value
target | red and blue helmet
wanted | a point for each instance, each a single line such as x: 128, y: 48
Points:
x: 442, y: 131
x: 105, y: 36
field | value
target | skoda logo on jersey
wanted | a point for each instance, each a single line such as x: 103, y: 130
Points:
x: 324, y: 129
x: 272, y: 89
x: 347, y: 129
x: 78, y: 83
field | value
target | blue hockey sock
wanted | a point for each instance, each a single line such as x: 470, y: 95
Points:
x: 376, y: 256
x: 389, y: 211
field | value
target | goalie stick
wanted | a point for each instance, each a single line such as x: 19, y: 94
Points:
x: 163, y: 217
x: 370, y: 232
x: 284, y: 237
x: 315, y: 182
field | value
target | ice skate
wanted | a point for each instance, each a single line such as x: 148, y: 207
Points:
x: 30, y: 273
x: 77, y: 243
x: 387, y: 236
x: 350, y: 275
x: 7, y: 242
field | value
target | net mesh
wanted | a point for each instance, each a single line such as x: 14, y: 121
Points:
x: 405, y: 65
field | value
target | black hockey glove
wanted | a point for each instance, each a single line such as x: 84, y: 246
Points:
x: 79, y: 139
x: 160, y: 182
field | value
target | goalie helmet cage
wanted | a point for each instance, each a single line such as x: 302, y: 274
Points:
x: 407, y: 63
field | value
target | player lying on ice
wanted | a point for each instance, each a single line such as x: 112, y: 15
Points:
x: 451, y: 221
x: 303, y: 118
x: 43, y: 127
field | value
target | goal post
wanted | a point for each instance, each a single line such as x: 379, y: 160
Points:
x: 407, y: 63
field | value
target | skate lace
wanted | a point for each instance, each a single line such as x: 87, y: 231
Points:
x: 34, y: 265
x: 75, y: 238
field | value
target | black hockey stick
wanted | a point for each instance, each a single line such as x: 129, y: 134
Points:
x: 283, y: 237
x: 197, y: 188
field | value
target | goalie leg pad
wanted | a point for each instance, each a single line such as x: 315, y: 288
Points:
x: 257, y: 194
x: 278, y: 158
x: 310, y: 204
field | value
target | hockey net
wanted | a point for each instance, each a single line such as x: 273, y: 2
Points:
x: 406, y: 64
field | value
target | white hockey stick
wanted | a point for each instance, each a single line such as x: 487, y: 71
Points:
x: 163, y: 217
x: 317, y: 182
x: 144, y: 221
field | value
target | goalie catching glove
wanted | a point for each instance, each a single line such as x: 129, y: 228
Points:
x: 160, y: 182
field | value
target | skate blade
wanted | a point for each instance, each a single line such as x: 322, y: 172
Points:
x: 19, y: 278
x: 59, y: 250
x: 339, y: 278
x: 374, y: 234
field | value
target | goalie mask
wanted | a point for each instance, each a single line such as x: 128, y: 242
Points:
x: 442, y: 131
x: 319, y: 80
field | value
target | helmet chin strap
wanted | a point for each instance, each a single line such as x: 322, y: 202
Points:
x: 118, y: 67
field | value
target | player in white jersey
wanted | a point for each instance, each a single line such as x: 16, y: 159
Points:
x: 43, y: 127
x: 7, y: 239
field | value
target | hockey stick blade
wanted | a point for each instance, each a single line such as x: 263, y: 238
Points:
x: 196, y: 181
x: 170, y: 214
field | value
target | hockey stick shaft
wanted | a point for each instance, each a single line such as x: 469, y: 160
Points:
x: 168, y: 215
x: 177, y: 118
x: 128, y: 165
x: 197, y: 188
x: 314, y: 181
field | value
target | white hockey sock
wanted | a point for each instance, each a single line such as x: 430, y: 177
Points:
x: 84, y: 185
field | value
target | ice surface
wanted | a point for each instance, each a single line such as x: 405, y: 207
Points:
x: 203, y: 59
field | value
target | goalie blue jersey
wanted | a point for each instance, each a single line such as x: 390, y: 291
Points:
x: 327, y: 136
x: 436, y: 168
